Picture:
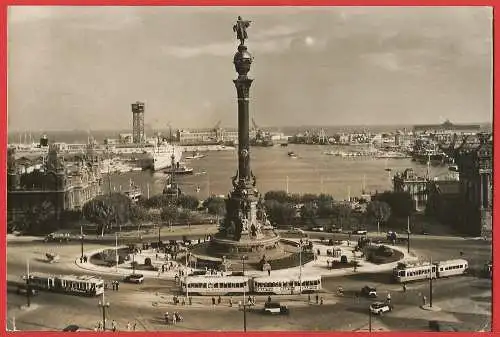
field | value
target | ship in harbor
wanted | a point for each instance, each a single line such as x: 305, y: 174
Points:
x: 162, y: 156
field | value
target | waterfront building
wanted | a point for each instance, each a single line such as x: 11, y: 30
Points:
x: 416, y: 186
x: 443, y: 201
x: 64, y: 185
x: 447, y: 128
x: 208, y: 136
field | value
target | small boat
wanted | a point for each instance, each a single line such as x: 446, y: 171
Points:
x: 181, y: 170
x: 292, y: 154
x: 196, y: 155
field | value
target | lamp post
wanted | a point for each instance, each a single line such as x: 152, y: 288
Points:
x: 116, y: 251
x: 430, y: 285
x: 369, y: 319
x: 243, y: 258
x: 103, y: 305
x: 408, y: 232
x: 28, y: 289
x: 81, y: 241
x: 300, y: 268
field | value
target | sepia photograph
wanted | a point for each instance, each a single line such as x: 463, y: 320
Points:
x: 249, y: 169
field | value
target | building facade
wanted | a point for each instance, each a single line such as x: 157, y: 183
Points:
x: 413, y: 184
x: 63, y: 186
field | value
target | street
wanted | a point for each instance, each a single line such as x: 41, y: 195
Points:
x: 465, y: 301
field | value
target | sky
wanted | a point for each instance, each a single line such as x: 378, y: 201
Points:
x: 83, y: 67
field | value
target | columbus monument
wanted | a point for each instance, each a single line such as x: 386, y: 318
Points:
x: 245, y: 231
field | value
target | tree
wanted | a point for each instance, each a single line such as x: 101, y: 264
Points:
x: 379, y: 211
x: 169, y: 214
x: 106, y: 210
x: 309, y: 198
x: 279, y: 196
x: 99, y: 212
x: 401, y: 203
x: 343, y: 212
x: 38, y: 219
x: 281, y: 214
x: 308, y: 212
x: 215, y: 206
x: 188, y: 202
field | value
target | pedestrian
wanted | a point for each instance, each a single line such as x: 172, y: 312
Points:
x: 230, y: 301
x: 388, y: 298
x: 113, y: 285
x: 219, y: 300
x: 81, y: 259
x: 174, y: 318
x: 128, y: 326
x: 158, y: 273
x: 424, y: 299
x: 321, y: 301
x: 190, y: 300
x: 213, y: 301
x: 113, y: 325
x: 183, y: 301
x: 317, y: 298
x: 309, y: 298
x: 404, y: 287
x: 269, y: 272
x: 134, y: 326
x: 117, y: 285
x: 268, y: 299
x: 328, y: 264
x: 162, y: 268
x: 99, y: 326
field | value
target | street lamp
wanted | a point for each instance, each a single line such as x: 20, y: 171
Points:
x: 408, y: 232
x: 243, y: 258
x: 369, y: 319
x: 81, y: 241
x: 430, y: 285
x: 300, y: 267
x: 103, y: 305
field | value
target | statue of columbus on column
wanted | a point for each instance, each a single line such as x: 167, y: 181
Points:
x: 240, y: 28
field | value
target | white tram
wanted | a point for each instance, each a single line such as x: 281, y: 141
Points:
x: 85, y: 285
x: 228, y: 285
x: 286, y: 285
x: 215, y: 285
x: 420, y: 271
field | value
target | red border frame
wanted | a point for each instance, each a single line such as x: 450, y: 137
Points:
x: 3, y: 130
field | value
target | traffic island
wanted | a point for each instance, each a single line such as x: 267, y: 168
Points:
x: 429, y: 308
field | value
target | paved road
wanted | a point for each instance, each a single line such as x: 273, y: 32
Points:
x: 465, y: 300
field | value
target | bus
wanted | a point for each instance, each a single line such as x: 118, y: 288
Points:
x: 286, y: 285
x: 215, y: 285
x: 84, y: 285
x: 407, y: 272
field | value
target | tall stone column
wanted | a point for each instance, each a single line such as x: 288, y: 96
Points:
x: 242, y: 63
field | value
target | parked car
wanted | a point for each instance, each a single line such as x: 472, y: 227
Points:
x: 360, y: 232
x: 134, y: 278
x: 275, y: 308
x: 368, y: 291
x: 71, y: 328
x: 441, y: 327
x: 379, y: 308
x: 318, y: 229
x: 23, y: 290
x: 335, y: 230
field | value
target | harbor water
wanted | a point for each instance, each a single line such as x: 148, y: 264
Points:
x: 311, y: 172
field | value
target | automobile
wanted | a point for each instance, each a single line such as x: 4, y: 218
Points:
x: 71, y: 328
x: 441, y: 327
x: 392, y: 235
x: 23, y: 290
x: 318, y: 229
x: 360, y: 232
x: 275, y: 308
x: 368, y: 291
x: 134, y: 278
x: 379, y: 308
x: 336, y: 230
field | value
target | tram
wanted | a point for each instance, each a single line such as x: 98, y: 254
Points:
x: 235, y: 285
x: 84, y: 285
x: 405, y: 272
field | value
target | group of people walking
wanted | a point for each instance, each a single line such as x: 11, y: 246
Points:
x: 173, y: 318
